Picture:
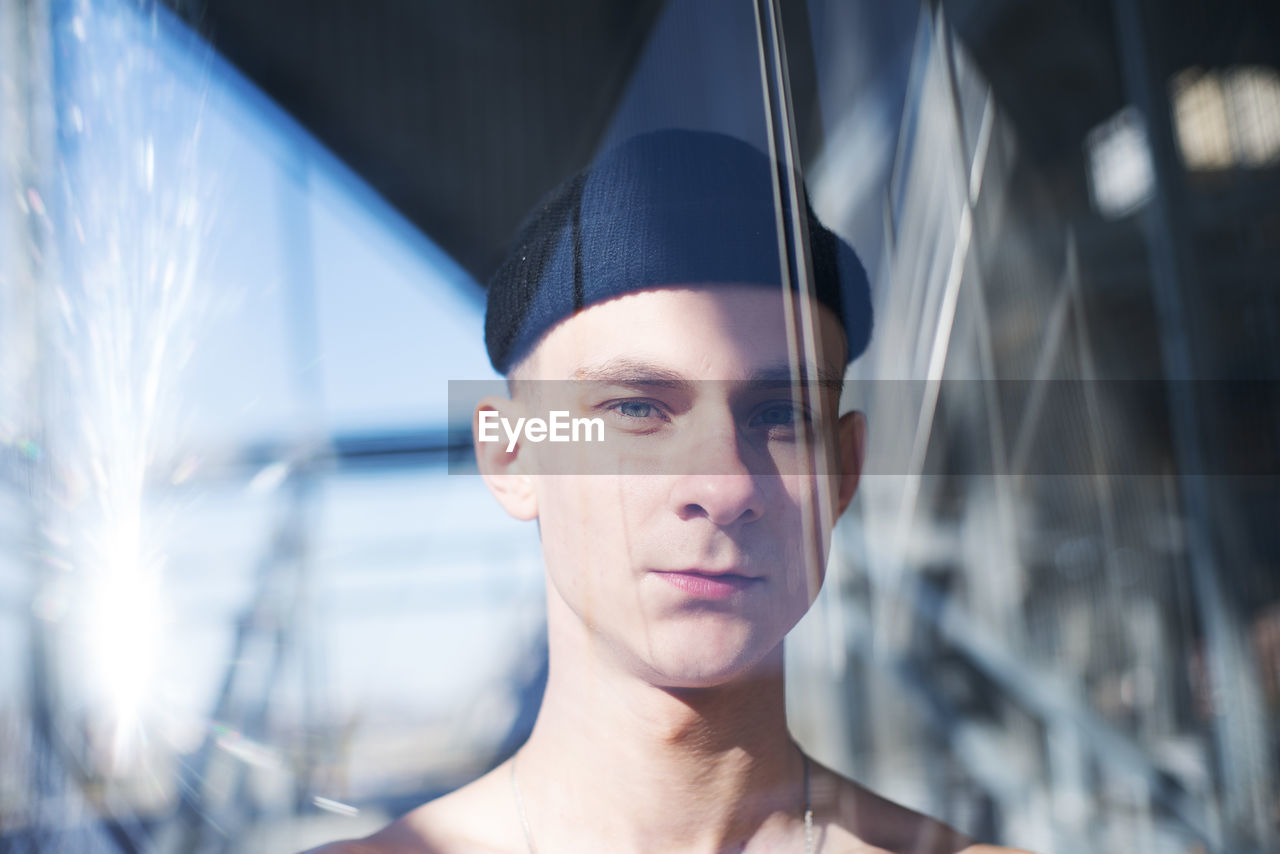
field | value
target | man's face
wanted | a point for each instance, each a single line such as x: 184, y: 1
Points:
x: 699, y: 537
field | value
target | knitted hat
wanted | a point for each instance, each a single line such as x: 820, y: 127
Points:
x: 665, y: 208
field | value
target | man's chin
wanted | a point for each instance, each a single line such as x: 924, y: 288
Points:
x: 701, y: 662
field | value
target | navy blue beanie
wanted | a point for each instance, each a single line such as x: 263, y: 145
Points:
x: 665, y: 208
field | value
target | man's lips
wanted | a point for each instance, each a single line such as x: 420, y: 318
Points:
x: 706, y: 584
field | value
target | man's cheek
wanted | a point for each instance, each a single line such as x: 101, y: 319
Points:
x: 588, y: 521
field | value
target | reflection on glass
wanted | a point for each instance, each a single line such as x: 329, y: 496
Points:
x: 254, y: 598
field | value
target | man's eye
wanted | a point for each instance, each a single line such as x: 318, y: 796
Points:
x: 778, y: 415
x: 636, y: 409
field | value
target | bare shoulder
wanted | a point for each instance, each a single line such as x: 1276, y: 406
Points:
x: 855, y: 819
x: 472, y: 819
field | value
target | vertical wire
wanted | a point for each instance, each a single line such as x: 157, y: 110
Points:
x: 798, y: 313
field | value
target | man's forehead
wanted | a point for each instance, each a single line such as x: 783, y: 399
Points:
x: 674, y: 333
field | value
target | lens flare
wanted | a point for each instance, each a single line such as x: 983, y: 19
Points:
x: 125, y: 307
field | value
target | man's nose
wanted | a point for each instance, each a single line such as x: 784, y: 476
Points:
x: 717, y: 482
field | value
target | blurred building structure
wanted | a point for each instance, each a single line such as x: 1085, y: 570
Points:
x: 1053, y: 616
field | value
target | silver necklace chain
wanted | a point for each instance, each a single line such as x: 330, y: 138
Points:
x: 533, y: 849
x: 524, y: 819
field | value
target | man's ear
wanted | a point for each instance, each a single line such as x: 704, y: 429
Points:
x: 851, y: 432
x: 504, y: 472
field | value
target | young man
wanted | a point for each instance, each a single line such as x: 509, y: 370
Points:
x: 681, y: 550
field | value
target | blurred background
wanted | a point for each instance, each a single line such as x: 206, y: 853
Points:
x: 245, y: 607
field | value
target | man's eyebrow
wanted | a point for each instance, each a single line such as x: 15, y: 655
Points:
x: 783, y: 374
x: 637, y: 372
x: 633, y: 372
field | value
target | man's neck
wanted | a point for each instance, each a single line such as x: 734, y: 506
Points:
x: 613, y: 757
